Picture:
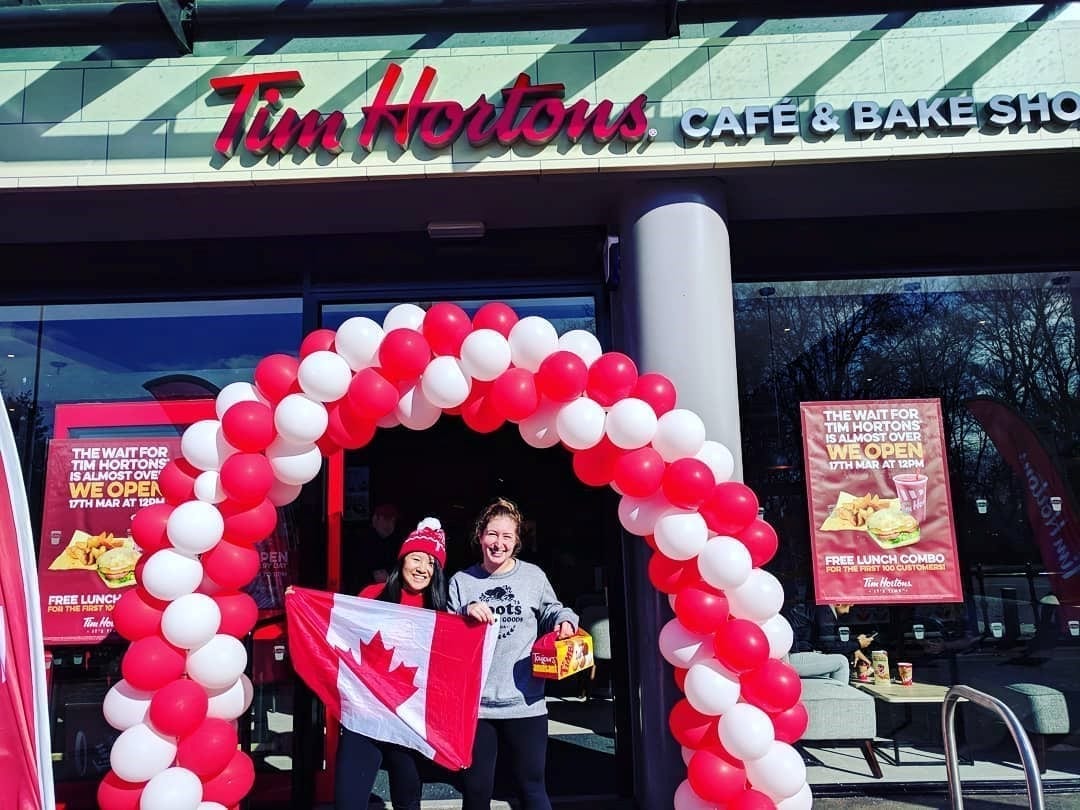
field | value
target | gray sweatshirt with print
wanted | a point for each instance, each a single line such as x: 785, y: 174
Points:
x: 526, y: 606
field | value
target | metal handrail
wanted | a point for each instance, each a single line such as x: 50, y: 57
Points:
x: 1020, y: 737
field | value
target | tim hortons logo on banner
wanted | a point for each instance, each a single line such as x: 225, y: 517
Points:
x: 438, y: 123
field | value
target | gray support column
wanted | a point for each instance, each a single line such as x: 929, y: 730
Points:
x: 673, y: 315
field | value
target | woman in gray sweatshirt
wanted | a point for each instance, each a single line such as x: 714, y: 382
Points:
x: 513, y: 716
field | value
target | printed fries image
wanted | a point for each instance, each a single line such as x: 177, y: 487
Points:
x: 854, y: 511
x: 84, y: 551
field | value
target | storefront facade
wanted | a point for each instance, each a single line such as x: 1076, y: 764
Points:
x: 768, y: 210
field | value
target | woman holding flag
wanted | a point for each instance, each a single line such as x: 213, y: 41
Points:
x: 418, y: 580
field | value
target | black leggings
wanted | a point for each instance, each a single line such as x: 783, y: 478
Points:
x: 358, y: 761
x: 522, y: 742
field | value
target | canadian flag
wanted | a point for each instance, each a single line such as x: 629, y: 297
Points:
x: 394, y: 673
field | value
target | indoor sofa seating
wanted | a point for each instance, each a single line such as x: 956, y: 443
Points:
x: 1044, y: 711
x: 840, y: 713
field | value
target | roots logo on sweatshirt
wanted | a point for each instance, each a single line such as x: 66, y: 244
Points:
x: 505, y: 605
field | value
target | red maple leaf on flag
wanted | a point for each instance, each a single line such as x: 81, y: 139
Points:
x: 391, y: 686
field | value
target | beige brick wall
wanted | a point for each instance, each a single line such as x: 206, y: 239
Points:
x: 129, y: 123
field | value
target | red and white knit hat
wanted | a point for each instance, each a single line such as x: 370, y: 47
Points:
x: 429, y: 537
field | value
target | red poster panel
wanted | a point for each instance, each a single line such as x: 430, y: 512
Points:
x: 93, y: 487
x: 877, y: 482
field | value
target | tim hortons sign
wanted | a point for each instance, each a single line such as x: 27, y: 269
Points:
x: 530, y: 113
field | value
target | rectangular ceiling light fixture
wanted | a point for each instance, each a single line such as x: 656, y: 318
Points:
x: 455, y: 230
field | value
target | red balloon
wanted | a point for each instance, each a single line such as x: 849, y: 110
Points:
x: 729, y: 508
x: 249, y: 426
x: 650, y: 541
x: 595, y: 466
x: 790, y: 724
x: 670, y: 576
x: 403, y: 355
x: 371, y: 395
x: 760, y: 540
x: 113, y: 793
x: 137, y: 614
x: 513, y: 394
x: 231, y: 566
x: 657, y: 390
x: 612, y: 377
x: 701, y: 608
x: 327, y: 446
x: 741, y: 645
x: 680, y: 677
x: 692, y: 728
x: 497, y: 316
x: 445, y: 328
x: 482, y: 416
x: 714, y: 778
x: 247, y: 477
x: 638, y: 473
x: 562, y: 376
x: 772, y: 687
x: 246, y: 524
x: 148, y: 527
x: 687, y: 482
x: 177, y: 481
x: 209, y: 749
x: 321, y: 340
x: 232, y: 783
x: 750, y: 800
x: 239, y: 612
x: 346, y: 428
x: 275, y: 377
x: 178, y: 708
x: 152, y: 662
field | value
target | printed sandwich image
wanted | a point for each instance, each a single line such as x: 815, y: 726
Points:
x: 892, y: 528
x: 853, y: 511
x: 116, y: 567
x: 112, y: 557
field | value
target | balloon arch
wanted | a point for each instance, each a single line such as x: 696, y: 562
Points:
x: 183, y: 684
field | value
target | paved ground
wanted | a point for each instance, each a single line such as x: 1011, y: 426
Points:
x: 1053, y: 802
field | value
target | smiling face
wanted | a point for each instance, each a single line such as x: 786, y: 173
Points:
x: 417, y: 568
x: 498, y: 542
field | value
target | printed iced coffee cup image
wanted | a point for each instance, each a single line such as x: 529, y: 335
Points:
x: 911, y: 491
x: 892, y: 528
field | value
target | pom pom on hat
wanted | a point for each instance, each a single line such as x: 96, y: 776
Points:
x: 429, y: 537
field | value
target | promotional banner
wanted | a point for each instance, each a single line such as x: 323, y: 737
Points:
x: 1051, y: 508
x: 25, y: 748
x: 877, y: 483
x: 93, y: 488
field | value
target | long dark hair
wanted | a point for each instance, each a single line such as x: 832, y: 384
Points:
x: 434, y: 594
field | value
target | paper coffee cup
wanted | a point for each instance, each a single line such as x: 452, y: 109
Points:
x: 845, y: 634
x: 997, y: 629
x: 903, y: 669
x: 919, y: 631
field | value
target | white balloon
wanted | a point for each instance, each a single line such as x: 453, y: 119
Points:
x: 300, y: 419
x: 140, y: 753
x: 686, y: 799
x: 404, y: 316
x: 204, y: 446
x: 759, y: 598
x: 445, y: 383
x: 125, y: 706
x: 580, y: 423
x: 282, y: 494
x: 211, y: 806
x: 233, y: 393
x: 680, y: 647
x: 803, y: 800
x: 195, y: 526
x: 389, y: 421
x: 169, y: 574
x: 324, y: 376
x: 358, y: 340
x: 711, y: 688
x: 293, y: 463
x: 172, y: 789
x: 679, y: 434
x: 680, y: 535
x: 746, y: 731
x: 485, y: 354
x: 415, y: 411
x: 232, y: 701
x: 190, y: 621
x: 639, y: 515
x: 719, y: 460
x: 631, y: 423
x: 724, y: 562
x: 780, y: 635
x: 583, y: 344
x: 208, y: 487
x: 780, y: 773
x: 687, y: 753
x: 532, y: 339
x: 540, y: 430
x: 218, y: 663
